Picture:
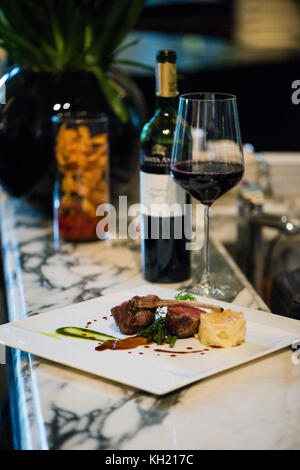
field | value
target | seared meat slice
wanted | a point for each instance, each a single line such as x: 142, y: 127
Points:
x: 130, y: 319
x: 183, y: 322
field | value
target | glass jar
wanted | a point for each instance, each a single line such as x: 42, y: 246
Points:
x: 82, y: 154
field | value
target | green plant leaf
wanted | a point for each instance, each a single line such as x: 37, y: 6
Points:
x: 133, y: 9
x: 88, y: 37
x: 119, y: 18
x: 105, y: 31
x: 126, y: 46
x: 13, y: 43
x: 134, y: 64
x: 74, y: 41
x: 110, y: 94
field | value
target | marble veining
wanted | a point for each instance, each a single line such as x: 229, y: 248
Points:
x: 60, y: 408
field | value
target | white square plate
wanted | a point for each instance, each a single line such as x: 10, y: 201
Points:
x: 146, y: 369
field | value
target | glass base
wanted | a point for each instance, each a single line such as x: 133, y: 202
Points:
x: 216, y: 287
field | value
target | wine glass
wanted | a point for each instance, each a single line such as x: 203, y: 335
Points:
x: 207, y: 161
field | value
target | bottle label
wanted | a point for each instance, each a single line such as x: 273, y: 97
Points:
x: 161, y: 196
x: 158, y: 161
x: 166, y: 80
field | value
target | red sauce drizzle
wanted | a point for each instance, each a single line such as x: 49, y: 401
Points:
x: 177, y: 352
x: 127, y: 343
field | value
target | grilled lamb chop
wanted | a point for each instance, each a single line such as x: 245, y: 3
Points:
x: 182, y: 321
x: 130, y: 319
x: 138, y: 312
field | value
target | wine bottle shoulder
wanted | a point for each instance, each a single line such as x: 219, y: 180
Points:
x: 159, y: 129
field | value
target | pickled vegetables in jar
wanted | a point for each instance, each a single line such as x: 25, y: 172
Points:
x: 82, y: 154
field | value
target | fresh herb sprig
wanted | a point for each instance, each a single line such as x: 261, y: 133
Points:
x: 182, y: 296
x: 158, y: 333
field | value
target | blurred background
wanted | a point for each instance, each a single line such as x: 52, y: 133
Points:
x: 247, y: 47
x: 250, y: 48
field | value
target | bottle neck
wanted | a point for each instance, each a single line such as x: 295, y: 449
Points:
x: 166, y: 103
x: 166, y: 84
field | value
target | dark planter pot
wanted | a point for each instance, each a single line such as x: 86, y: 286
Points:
x: 27, y: 163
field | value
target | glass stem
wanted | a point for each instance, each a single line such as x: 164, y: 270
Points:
x: 206, y: 268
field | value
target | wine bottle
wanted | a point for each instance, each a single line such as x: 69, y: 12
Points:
x: 164, y: 257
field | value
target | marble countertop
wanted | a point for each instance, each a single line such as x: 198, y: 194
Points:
x: 255, y: 406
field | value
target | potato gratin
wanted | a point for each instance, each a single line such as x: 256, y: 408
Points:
x: 222, y: 329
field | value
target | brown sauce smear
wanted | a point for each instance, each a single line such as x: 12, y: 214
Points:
x: 178, y: 352
x: 119, y: 344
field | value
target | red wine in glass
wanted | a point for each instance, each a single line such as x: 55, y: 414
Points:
x: 206, y: 181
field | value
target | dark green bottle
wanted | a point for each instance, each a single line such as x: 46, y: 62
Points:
x: 164, y: 257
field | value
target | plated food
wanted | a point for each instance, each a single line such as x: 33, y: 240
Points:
x: 166, y: 320
x: 150, y: 319
x: 151, y: 367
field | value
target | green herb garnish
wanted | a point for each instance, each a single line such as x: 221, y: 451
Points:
x: 182, y: 296
x: 158, y: 333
